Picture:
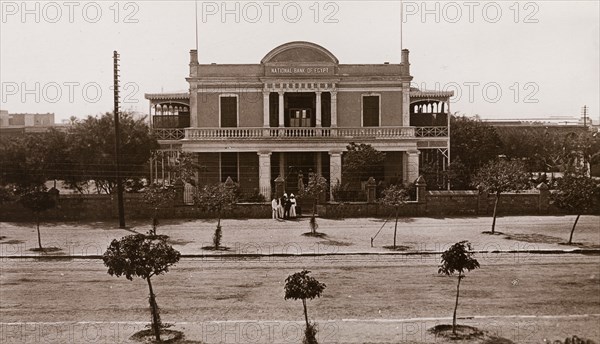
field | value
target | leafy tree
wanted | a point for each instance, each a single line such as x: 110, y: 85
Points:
x: 550, y: 149
x: 474, y: 142
x: 457, y: 258
x: 301, y: 286
x: 185, y: 167
x: 216, y: 198
x: 585, y: 150
x: 37, y: 200
x: 91, y: 145
x: 317, y: 186
x: 395, y: 196
x: 458, y: 175
x: 501, y: 176
x: 571, y: 340
x: 7, y: 194
x: 158, y: 196
x: 143, y: 256
x: 578, y: 194
x: 28, y: 161
x: 360, y: 162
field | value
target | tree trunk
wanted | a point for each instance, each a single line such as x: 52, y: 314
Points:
x: 573, y: 229
x: 395, y: 228
x: 495, y: 208
x: 37, y: 222
x: 154, y: 310
x: 456, y: 304
x: 305, y: 313
x: 155, y: 221
x: 314, y: 211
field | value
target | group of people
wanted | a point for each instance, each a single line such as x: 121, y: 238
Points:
x: 284, y: 207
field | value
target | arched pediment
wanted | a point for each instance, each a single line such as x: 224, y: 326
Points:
x: 301, y: 52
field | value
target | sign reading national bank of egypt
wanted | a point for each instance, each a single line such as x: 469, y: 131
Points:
x: 308, y: 71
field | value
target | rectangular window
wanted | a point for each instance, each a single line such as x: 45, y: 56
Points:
x: 229, y: 166
x: 300, y: 117
x: 228, y: 111
x: 274, y: 110
x: 370, y: 111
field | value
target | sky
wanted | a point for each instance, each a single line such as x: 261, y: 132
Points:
x: 503, y: 59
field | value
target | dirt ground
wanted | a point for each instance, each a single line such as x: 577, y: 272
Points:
x: 346, y: 236
x: 373, y: 298
x: 377, y: 300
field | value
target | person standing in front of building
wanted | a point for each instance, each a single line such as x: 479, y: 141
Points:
x: 274, y: 206
x: 292, y: 206
x: 286, y: 207
x: 280, y: 210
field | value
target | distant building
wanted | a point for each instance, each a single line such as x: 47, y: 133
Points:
x: 23, y: 123
x: 4, y: 118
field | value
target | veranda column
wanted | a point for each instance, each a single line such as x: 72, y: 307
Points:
x: 412, y: 165
x: 335, y: 170
x: 266, y: 114
x: 281, y: 109
x: 318, y: 112
x: 264, y: 174
x: 193, y: 105
x: 319, y: 160
x: 405, y: 104
x: 333, y: 109
x: 282, y: 164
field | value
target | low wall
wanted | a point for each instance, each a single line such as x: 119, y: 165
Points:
x: 102, y: 207
x: 453, y: 203
x: 430, y: 203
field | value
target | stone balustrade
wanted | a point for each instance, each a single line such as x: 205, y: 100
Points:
x: 203, y: 134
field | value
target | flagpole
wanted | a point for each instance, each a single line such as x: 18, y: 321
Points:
x: 401, y: 29
x: 196, y: 12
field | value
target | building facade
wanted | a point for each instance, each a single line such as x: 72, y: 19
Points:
x: 293, y: 114
x: 15, y: 124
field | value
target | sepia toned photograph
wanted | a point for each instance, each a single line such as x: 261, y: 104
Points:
x: 302, y: 172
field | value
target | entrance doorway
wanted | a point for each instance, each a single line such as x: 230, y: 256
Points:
x: 300, y: 109
x: 293, y: 166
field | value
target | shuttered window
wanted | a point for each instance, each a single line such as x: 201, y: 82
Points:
x: 228, y: 112
x: 370, y: 111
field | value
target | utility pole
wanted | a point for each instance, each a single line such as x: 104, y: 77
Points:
x: 584, y: 114
x: 118, y: 141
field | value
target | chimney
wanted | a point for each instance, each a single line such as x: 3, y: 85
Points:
x: 194, y: 63
x: 193, y: 57
x: 405, y: 62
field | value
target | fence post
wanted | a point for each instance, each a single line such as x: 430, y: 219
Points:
x: 482, y: 202
x: 421, y: 185
x: 179, y: 192
x: 544, y: 199
x: 371, y: 188
x: 229, y: 184
x: 54, y: 192
x: 279, y: 187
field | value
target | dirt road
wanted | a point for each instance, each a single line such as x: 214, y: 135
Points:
x: 367, y: 299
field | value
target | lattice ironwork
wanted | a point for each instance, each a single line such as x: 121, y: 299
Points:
x: 431, y: 131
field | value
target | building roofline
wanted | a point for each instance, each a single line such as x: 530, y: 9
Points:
x: 298, y: 44
x: 166, y: 96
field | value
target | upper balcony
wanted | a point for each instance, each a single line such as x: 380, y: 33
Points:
x: 309, y: 133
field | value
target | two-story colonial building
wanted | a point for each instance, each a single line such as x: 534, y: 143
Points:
x: 294, y: 113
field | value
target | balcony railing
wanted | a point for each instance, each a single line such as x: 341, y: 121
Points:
x: 169, y: 134
x: 431, y: 131
x: 200, y: 134
x: 212, y: 134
